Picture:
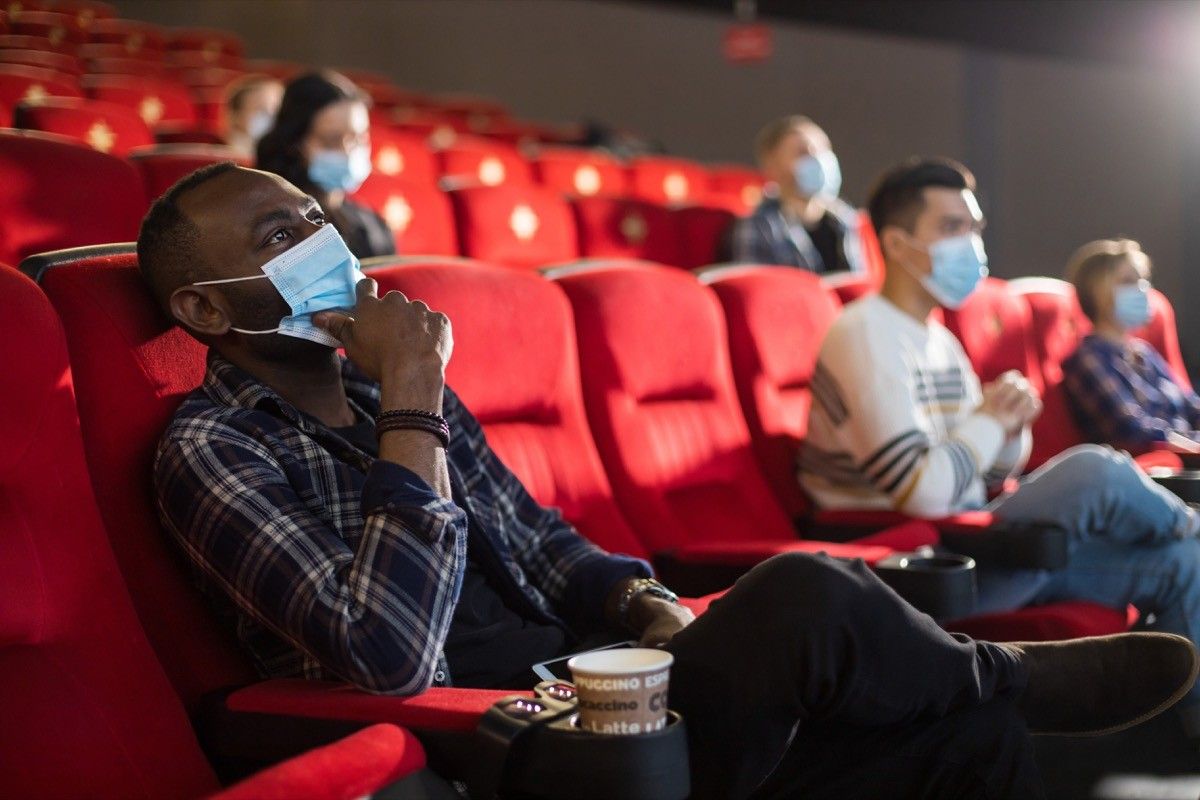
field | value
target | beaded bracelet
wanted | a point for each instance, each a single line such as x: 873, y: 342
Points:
x: 414, y: 420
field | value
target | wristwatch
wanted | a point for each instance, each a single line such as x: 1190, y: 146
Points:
x: 641, y: 586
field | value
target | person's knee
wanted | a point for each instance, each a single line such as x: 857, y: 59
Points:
x: 1098, y: 466
x: 810, y: 585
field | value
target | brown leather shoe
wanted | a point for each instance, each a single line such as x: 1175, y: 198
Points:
x: 1103, y: 684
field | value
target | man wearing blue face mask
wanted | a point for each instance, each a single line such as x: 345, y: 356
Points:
x: 900, y: 421
x: 1122, y: 391
x: 801, y: 222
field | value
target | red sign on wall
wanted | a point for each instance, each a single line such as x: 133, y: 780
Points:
x: 747, y: 43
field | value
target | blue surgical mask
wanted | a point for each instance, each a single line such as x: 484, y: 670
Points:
x: 259, y: 124
x: 335, y: 170
x: 959, y: 263
x: 1131, y: 304
x: 819, y: 175
x: 318, y: 274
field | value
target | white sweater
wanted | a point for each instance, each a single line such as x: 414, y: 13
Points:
x: 894, y: 421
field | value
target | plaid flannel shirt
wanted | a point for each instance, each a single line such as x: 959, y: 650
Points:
x: 768, y: 236
x: 1126, y: 396
x: 335, y: 565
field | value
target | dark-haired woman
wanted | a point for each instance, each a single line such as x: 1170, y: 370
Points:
x: 321, y: 142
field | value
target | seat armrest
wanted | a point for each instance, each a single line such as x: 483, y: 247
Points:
x: 357, y: 766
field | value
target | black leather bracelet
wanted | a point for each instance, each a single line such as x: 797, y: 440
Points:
x: 411, y: 422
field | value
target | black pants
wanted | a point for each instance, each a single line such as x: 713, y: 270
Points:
x: 811, y: 678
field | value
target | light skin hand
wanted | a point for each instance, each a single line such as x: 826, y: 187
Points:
x: 405, y: 347
x: 1011, y: 401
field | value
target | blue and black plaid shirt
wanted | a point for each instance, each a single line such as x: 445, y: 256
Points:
x: 335, y: 565
x: 1127, y: 396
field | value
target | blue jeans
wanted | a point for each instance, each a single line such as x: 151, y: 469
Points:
x: 1131, y: 542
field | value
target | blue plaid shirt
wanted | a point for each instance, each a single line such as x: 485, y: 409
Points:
x: 769, y: 236
x: 332, y: 564
x: 1126, y: 396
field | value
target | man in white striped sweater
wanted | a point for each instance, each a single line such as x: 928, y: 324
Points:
x: 900, y: 421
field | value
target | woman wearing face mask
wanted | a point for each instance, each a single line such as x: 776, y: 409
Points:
x: 802, y: 223
x: 1120, y: 388
x: 250, y: 106
x: 321, y: 142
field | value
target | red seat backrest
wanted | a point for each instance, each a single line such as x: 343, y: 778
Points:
x: 136, y: 38
x: 87, y: 711
x: 400, y: 155
x: 996, y: 331
x: 56, y: 193
x: 418, y: 213
x: 516, y: 367
x: 517, y: 226
x: 738, y: 186
x: 615, y: 228
x: 19, y: 82
x: 162, y: 166
x: 706, y: 233
x: 44, y: 59
x: 1058, y: 325
x: 106, y: 127
x: 668, y: 181
x: 63, y: 30
x: 663, y: 410
x: 580, y: 172
x: 1163, y: 336
x: 157, y: 99
x: 133, y: 368
x: 777, y: 318
x: 472, y: 161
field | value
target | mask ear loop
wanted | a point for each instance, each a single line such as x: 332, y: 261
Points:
x: 237, y: 280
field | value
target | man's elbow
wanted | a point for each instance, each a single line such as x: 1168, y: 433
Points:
x: 925, y: 504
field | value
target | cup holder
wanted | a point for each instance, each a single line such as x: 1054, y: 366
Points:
x: 1184, y: 483
x: 941, y: 585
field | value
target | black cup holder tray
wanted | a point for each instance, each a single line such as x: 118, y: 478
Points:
x: 540, y: 753
x: 943, y: 585
x: 1183, y: 482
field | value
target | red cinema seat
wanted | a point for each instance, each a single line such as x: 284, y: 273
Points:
x: 995, y: 329
x: 476, y: 114
x: 399, y: 155
x: 1163, y: 336
x: 580, y: 172
x: 125, y: 66
x: 739, y: 187
x: 88, y: 711
x: 160, y: 101
x: 43, y: 59
x: 418, y: 213
x: 56, y: 193
x: 133, y: 368
x: 706, y: 234
x: 516, y: 368
x: 136, y: 38
x: 106, y: 127
x: 86, y: 12
x: 162, y: 165
x: 668, y: 181
x: 662, y: 408
x: 20, y: 83
x: 62, y: 30
x: 106, y: 51
x: 517, y: 226
x: 622, y: 228
x: 472, y: 161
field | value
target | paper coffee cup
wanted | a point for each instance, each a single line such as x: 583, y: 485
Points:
x: 622, y: 691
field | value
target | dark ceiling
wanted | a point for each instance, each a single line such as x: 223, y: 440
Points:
x: 1161, y: 33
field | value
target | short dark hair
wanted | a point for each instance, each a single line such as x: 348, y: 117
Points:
x: 898, y: 197
x: 776, y: 131
x: 167, y: 241
x: 303, y: 98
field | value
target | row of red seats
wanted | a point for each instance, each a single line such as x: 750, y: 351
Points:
x: 55, y: 193
x: 639, y: 438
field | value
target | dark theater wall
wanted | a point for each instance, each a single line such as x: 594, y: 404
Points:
x: 1065, y: 151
